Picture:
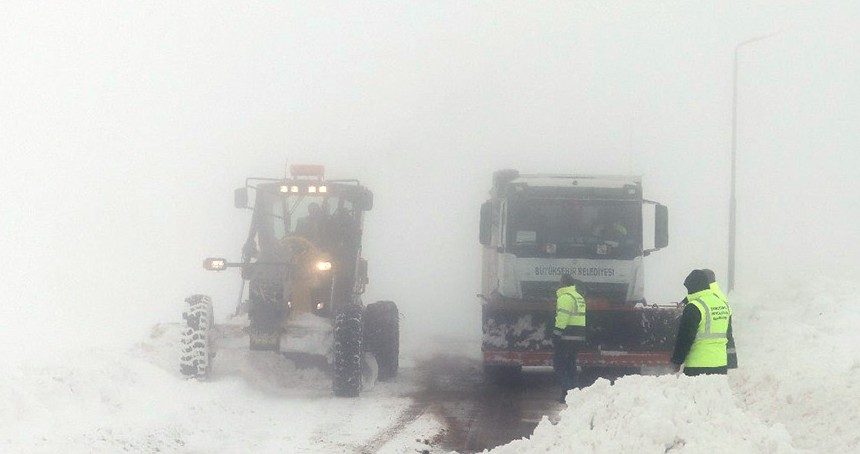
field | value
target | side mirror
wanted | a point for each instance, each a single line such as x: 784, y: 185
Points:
x: 661, y: 226
x: 240, y: 198
x: 486, y: 223
x: 364, y: 201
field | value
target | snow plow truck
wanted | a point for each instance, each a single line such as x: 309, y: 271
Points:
x: 535, y: 228
x: 305, y: 275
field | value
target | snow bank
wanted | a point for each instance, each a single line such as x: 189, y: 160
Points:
x: 654, y: 415
x: 94, y: 402
x: 104, y: 401
x: 800, y: 364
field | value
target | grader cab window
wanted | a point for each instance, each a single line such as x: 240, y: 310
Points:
x: 310, y: 216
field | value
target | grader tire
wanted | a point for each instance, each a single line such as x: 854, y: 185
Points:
x: 196, y: 343
x: 382, y: 334
x: 347, y: 352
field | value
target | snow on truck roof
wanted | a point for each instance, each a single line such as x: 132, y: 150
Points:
x: 586, y: 181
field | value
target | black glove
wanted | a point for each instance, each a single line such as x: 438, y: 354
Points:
x: 556, y: 337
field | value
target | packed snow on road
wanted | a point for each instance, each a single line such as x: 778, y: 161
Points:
x: 794, y: 392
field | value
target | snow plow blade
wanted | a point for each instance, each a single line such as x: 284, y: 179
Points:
x: 618, y: 335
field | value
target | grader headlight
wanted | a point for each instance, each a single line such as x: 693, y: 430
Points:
x: 323, y: 265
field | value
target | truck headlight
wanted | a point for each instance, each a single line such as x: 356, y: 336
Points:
x: 323, y: 265
x: 215, y: 264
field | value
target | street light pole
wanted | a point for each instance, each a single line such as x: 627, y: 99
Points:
x: 732, y: 200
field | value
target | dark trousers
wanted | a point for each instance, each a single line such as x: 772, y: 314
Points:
x: 564, y: 364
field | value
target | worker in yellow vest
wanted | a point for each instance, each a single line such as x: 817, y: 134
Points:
x: 702, y: 334
x: 569, y: 333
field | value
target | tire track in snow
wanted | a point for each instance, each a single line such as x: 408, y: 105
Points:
x: 412, y: 413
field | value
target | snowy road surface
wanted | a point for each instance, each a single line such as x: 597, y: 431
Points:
x: 111, y: 402
x: 479, y: 413
x: 795, y: 392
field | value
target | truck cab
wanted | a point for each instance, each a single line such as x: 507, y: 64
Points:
x: 534, y: 229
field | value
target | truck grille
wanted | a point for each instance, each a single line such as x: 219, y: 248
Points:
x: 543, y: 290
x: 537, y: 290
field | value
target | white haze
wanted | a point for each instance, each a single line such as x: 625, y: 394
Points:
x: 125, y: 126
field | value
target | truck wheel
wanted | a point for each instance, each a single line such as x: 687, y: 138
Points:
x: 382, y: 336
x: 265, y: 313
x: 197, y: 350
x: 347, y: 352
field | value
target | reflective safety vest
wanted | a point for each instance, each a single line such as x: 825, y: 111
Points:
x: 718, y: 291
x: 570, y: 314
x: 730, y: 349
x: 709, y: 347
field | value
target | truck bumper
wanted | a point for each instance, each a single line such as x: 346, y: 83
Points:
x: 592, y: 359
x: 519, y: 333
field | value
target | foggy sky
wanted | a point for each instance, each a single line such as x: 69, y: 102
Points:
x: 125, y: 126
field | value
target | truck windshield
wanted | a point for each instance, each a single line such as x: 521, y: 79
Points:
x: 574, y: 228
